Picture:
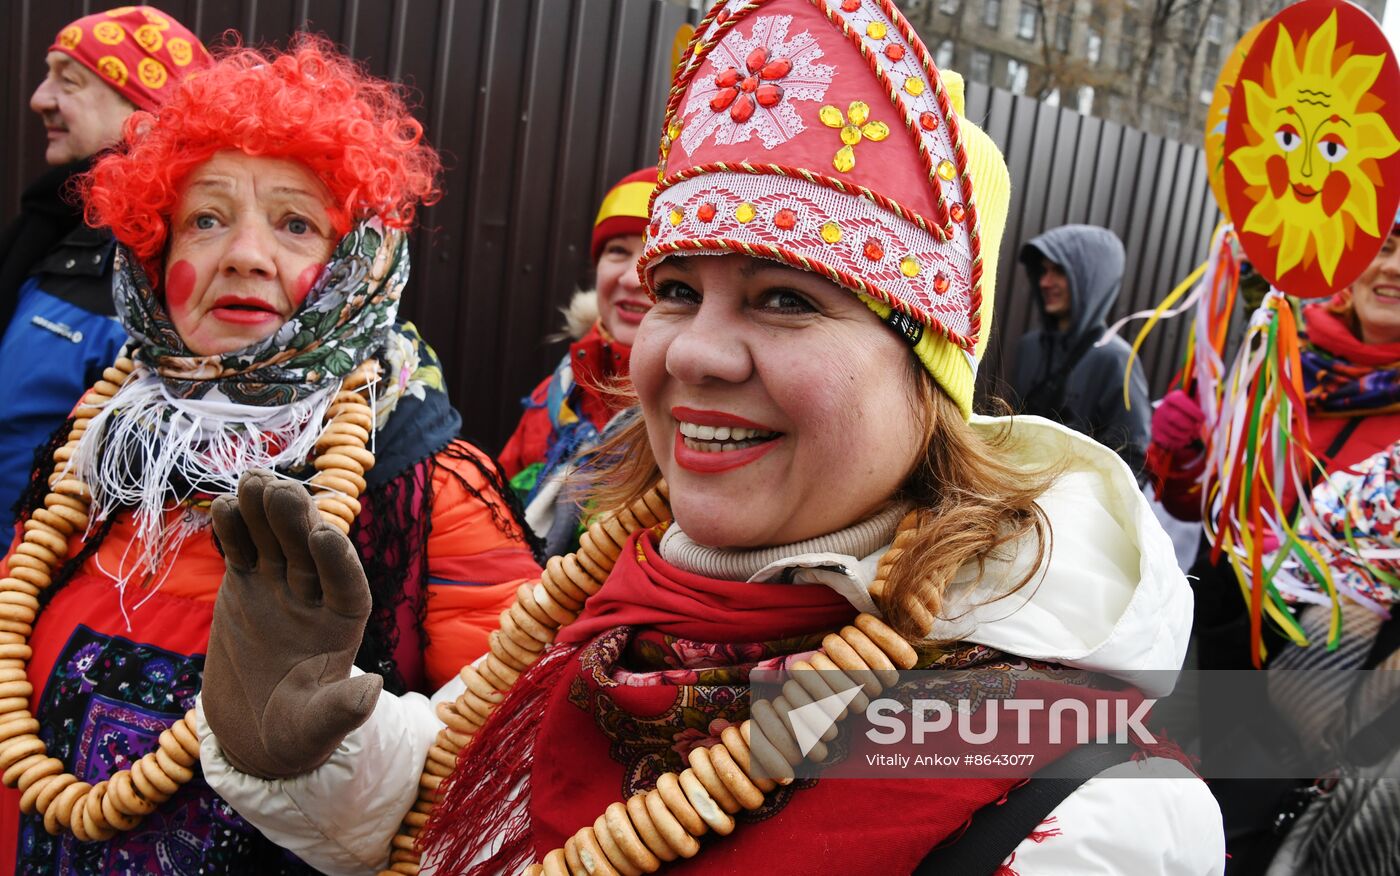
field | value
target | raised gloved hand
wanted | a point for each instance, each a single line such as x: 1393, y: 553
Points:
x: 1177, y: 421
x: 288, y: 622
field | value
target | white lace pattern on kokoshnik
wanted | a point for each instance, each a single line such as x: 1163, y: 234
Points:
x: 816, y: 210
x: 775, y: 125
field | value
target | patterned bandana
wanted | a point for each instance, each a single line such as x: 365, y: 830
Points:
x: 346, y: 316
x: 138, y: 51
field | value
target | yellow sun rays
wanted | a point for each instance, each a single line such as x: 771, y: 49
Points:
x: 1314, y: 109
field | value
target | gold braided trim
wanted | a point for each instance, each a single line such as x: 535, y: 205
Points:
x: 651, y: 828
x: 98, y: 812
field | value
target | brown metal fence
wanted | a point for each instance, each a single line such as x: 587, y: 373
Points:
x: 538, y: 104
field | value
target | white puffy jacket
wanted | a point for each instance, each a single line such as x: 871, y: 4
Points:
x: 1111, y: 599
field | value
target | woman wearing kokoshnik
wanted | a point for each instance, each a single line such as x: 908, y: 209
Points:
x: 262, y: 215
x: 570, y: 409
x: 860, y: 519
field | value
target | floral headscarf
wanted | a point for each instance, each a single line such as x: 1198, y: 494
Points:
x: 345, y: 317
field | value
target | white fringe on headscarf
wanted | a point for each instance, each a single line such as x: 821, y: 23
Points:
x: 145, y: 439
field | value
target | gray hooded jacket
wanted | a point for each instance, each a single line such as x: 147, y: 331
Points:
x: 1085, y: 394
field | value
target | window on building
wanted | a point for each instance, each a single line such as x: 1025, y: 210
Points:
x: 1127, y: 57
x: 949, y: 7
x: 1212, y: 57
x: 1154, y: 72
x: 1027, y: 23
x: 1017, y: 75
x: 1093, y: 47
x: 943, y: 55
x: 1180, y: 79
x: 1215, y: 29
x: 1130, y: 30
x: 980, y: 67
x: 1063, y: 25
x: 1084, y: 100
x: 991, y: 13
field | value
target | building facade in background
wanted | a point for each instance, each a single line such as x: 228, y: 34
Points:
x: 1149, y: 64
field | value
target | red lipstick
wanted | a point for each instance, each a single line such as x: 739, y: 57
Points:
x: 715, y: 418
x: 705, y: 462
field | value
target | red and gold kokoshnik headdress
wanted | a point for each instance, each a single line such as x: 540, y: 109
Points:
x: 820, y: 134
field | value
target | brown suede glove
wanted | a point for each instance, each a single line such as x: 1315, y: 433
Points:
x: 287, y: 624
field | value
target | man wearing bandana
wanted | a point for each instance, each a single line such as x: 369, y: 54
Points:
x: 55, y: 272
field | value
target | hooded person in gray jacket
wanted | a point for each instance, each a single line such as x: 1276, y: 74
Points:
x: 1059, y: 373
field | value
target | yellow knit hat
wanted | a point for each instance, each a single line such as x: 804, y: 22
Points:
x: 992, y: 184
x: 821, y: 135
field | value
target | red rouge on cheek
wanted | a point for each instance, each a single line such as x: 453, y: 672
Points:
x: 305, y: 281
x: 179, y: 285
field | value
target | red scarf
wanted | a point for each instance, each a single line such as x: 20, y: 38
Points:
x: 1343, y: 375
x: 657, y: 664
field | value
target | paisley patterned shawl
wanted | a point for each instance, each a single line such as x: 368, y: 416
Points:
x: 346, y: 316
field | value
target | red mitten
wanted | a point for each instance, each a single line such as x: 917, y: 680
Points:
x: 1177, y: 421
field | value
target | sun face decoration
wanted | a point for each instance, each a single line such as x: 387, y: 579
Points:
x: 1312, y: 162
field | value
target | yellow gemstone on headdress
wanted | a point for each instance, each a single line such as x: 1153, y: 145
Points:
x: 831, y: 232
x: 674, y: 131
x: 876, y: 131
x: 676, y: 216
x: 745, y: 212
x: 858, y: 112
x: 947, y: 171
x: 850, y: 135
x: 845, y: 159
x: 875, y: 30
x: 914, y: 85
x: 831, y: 117
x: 909, y: 267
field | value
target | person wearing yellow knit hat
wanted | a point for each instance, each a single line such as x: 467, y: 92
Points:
x: 570, y: 408
x: 806, y: 484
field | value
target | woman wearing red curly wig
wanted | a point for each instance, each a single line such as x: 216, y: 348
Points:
x: 262, y: 216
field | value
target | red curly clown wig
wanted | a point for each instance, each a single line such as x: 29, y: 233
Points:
x: 309, y: 104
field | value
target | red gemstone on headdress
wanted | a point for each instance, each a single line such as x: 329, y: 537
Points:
x: 769, y: 95
x: 722, y: 17
x: 723, y: 99
x: 785, y: 219
x: 756, y: 59
x: 940, y: 283
x: 873, y: 250
x: 850, y: 6
x: 928, y: 121
x: 742, y: 110
x: 655, y: 227
x: 706, y: 213
x: 776, y: 68
x: 957, y: 212
x: 750, y: 84
x: 894, y: 51
x: 728, y: 79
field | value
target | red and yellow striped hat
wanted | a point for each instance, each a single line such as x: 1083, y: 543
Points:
x: 820, y: 134
x: 138, y: 51
x: 624, y: 209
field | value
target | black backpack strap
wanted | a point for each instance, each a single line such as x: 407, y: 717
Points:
x: 996, y: 831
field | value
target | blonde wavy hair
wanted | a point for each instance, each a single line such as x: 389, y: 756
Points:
x: 968, y: 504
